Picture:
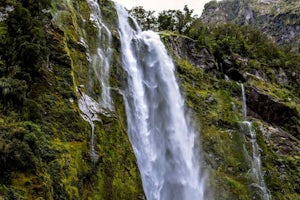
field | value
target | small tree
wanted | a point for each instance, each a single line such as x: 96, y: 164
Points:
x: 171, y: 20
x: 167, y: 20
x: 176, y: 20
x: 146, y: 19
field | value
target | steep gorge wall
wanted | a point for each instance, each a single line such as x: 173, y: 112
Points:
x: 277, y: 18
x: 216, y: 102
x: 115, y: 175
x: 63, y: 168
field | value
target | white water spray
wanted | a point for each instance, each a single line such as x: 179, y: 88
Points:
x: 162, y: 139
x: 255, y: 158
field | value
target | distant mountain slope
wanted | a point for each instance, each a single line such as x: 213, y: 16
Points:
x: 278, y: 18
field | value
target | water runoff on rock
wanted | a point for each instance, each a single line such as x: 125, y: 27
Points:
x: 255, y: 158
x: 162, y: 139
x: 100, y: 63
x: 90, y: 108
x: 101, y: 58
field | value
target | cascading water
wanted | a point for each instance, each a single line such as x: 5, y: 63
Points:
x: 255, y: 159
x: 90, y: 108
x: 244, y: 105
x: 158, y: 129
x: 101, y: 58
x: 100, y: 62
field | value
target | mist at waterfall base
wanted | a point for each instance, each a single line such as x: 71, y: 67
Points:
x: 162, y: 138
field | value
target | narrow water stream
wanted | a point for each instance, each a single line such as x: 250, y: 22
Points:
x: 255, y: 157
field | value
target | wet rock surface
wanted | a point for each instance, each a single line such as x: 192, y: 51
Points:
x: 273, y: 111
x: 186, y: 48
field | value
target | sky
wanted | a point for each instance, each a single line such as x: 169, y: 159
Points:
x: 159, y: 5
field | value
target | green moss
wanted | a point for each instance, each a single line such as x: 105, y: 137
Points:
x: 224, y: 183
x: 109, y: 14
x: 70, y: 166
x: 167, y: 34
x: 44, y: 147
x: 278, y: 92
x: 217, y: 108
x: 115, y: 175
x: 3, y: 28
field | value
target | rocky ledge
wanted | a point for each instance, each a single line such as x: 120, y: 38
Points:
x: 272, y: 111
x: 270, y: 16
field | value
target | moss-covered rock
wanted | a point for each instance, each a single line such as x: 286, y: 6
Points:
x: 45, y: 143
x: 217, y: 104
x: 269, y: 16
x: 45, y: 146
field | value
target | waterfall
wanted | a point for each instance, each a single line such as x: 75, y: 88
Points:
x: 244, y: 105
x: 162, y: 139
x: 100, y: 59
x: 255, y: 158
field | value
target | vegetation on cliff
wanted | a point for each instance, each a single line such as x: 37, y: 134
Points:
x: 269, y: 16
x: 44, y: 142
x: 212, y: 59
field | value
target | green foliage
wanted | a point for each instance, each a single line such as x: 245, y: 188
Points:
x: 175, y: 20
x: 32, y: 111
x: 44, y: 146
x: 23, y: 50
x: 36, y: 6
x: 22, y: 146
x: 146, y: 19
x: 12, y: 91
x: 216, y: 103
x: 19, y: 21
x: 167, y: 20
x: 229, y: 41
x: 10, y: 193
x: 30, y: 46
x: 229, y: 38
x: 212, y: 103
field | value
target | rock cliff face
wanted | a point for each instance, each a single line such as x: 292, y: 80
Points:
x: 45, y: 143
x: 273, y: 111
x: 47, y: 150
x: 277, y: 18
x: 216, y: 102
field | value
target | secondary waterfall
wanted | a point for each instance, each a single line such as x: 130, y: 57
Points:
x: 255, y: 158
x: 100, y: 59
x: 162, y: 139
